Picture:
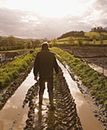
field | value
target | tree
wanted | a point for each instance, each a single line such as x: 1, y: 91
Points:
x: 11, y: 40
x: 36, y: 43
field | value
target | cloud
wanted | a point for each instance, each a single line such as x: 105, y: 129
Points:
x: 28, y: 24
x: 96, y: 14
x: 19, y: 23
x: 10, y: 20
x: 32, y: 25
x: 101, y: 4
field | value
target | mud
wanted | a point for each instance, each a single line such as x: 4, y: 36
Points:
x: 70, y: 107
x: 85, y: 106
x: 12, y: 115
x: 96, y: 58
x: 5, y: 94
x: 90, y: 54
x: 64, y: 117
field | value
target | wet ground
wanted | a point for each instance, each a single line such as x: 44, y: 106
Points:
x: 84, y: 106
x: 63, y: 117
x: 95, y: 56
x: 98, y: 68
x: 14, y: 117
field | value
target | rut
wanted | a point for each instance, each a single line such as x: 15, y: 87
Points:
x: 71, y: 112
x: 64, y: 117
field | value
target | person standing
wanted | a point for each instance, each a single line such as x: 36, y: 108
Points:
x: 45, y: 63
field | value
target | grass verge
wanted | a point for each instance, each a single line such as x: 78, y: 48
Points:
x: 11, y: 70
x: 96, y: 83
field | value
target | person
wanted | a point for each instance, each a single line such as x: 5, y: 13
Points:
x: 45, y: 63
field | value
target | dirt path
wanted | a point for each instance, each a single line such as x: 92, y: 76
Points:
x: 14, y: 117
x: 84, y: 106
x: 64, y: 117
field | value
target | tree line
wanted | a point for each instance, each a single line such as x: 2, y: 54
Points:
x: 99, y: 29
x: 13, y: 43
x: 72, y: 33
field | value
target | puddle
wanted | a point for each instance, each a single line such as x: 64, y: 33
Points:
x: 98, y: 69
x: 13, y: 116
x: 84, y: 109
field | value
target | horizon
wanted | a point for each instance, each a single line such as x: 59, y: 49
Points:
x: 50, y: 18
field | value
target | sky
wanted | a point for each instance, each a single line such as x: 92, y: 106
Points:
x: 50, y: 18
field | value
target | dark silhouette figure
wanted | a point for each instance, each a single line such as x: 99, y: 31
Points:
x: 45, y: 63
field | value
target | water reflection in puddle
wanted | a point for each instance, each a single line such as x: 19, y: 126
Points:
x: 87, y: 118
x: 13, y: 116
x: 99, y: 69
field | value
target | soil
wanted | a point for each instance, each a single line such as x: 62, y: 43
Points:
x: 6, y: 93
x: 64, y: 117
x: 91, y: 54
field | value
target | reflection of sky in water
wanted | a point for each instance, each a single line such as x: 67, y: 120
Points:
x: 46, y: 92
x: 72, y: 86
x: 87, y: 118
x: 98, y: 68
x: 13, y: 108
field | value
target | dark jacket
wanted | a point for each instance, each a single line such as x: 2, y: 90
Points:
x: 44, y: 64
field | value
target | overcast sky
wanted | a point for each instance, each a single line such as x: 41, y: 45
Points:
x: 50, y: 18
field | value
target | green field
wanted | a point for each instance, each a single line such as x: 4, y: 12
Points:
x: 10, y: 71
x: 91, y: 34
x: 95, y: 82
x: 91, y: 38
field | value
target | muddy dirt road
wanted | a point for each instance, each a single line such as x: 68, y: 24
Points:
x: 84, y: 106
x: 14, y: 117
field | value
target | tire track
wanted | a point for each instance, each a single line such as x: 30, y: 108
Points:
x: 64, y: 117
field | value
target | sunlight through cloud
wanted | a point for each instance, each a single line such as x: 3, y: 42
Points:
x: 50, y: 8
x: 50, y: 18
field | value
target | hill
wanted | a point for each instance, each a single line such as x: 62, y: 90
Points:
x: 80, y: 37
x: 14, y: 43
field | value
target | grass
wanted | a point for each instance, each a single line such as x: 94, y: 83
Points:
x: 96, y: 83
x: 11, y: 70
x: 91, y: 34
x: 92, y: 38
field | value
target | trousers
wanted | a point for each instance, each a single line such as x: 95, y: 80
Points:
x: 42, y: 88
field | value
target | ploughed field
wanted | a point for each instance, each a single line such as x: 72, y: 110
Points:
x: 91, y: 54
